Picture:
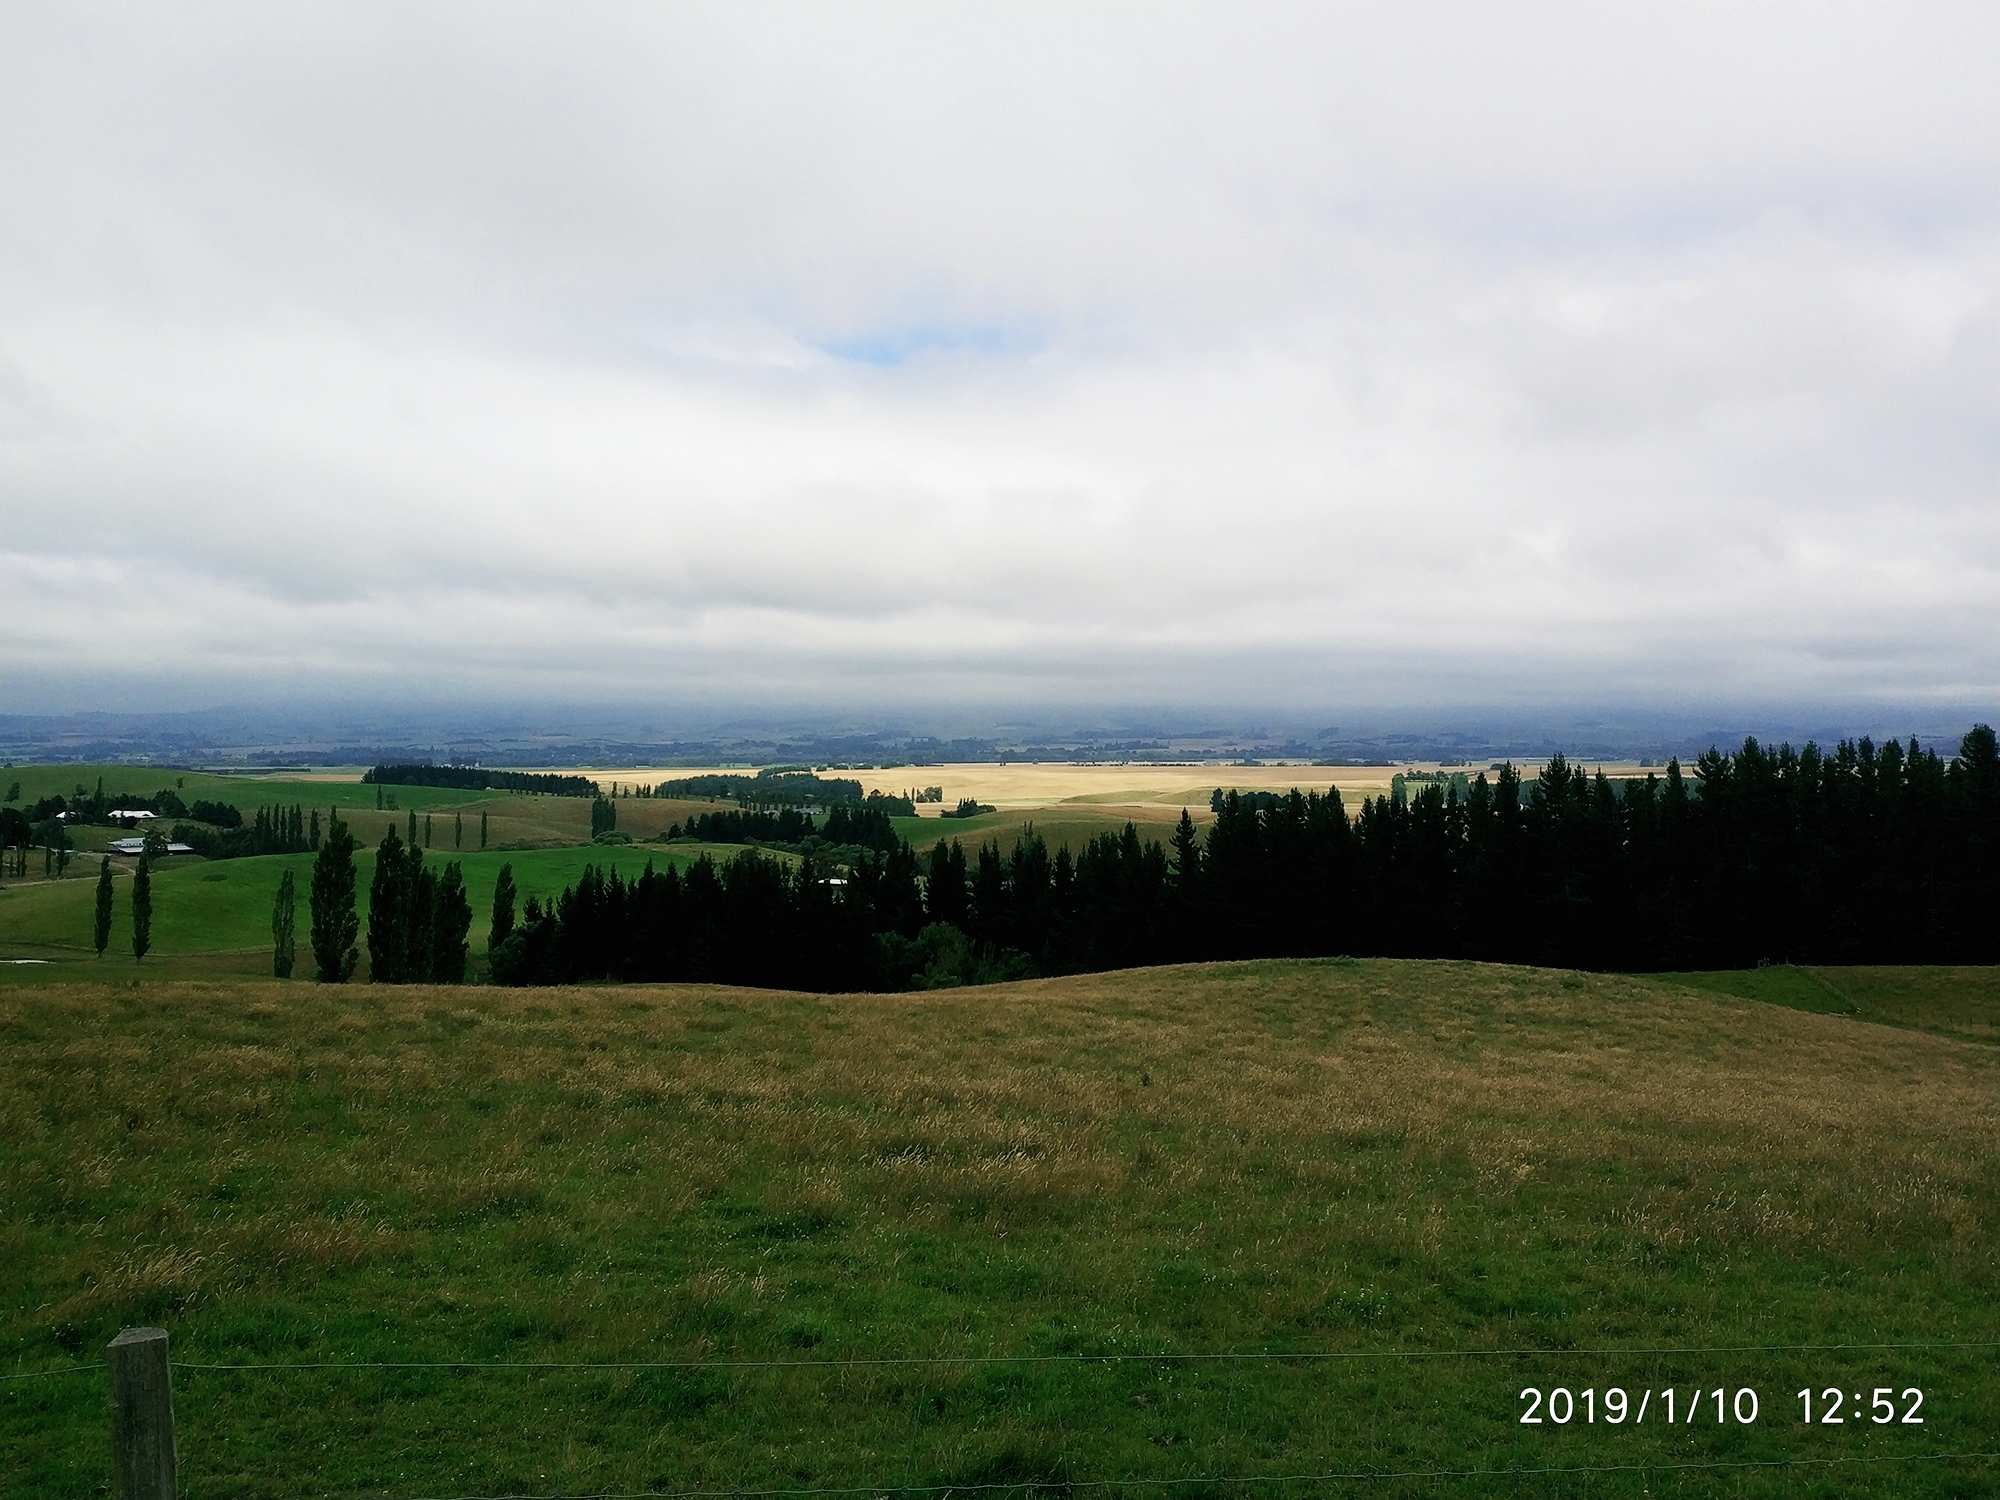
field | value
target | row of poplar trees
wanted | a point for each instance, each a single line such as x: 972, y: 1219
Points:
x: 142, y: 907
x: 418, y: 916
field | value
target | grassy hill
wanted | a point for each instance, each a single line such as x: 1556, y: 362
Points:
x: 1055, y: 1200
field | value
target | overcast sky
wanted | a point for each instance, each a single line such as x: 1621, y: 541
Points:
x: 855, y: 355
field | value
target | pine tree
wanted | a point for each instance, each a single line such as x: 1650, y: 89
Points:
x: 335, y: 923
x: 503, y: 908
x: 1187, y: 854
x: 284, y: 913
x: 142, y: 907
x: 102, y: 932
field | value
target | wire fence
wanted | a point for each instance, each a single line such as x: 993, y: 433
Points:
x: 1238, y: 1481
x: 1065, y: 1485
x: 1280, y: 1356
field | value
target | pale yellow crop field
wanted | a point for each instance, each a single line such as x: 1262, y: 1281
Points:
x: 1149, y: 789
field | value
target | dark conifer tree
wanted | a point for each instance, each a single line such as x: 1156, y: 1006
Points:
x: 142, y: 907
x: 420, y: 891
x: 944, y: 886
x: 503, y: 909
x: 989, y: 914
x: 335, y: 922
x: 101, y: 928
x: 389, y: 913
x: 1187, y: 856
x: 284, y: 915
x: 451, y: 919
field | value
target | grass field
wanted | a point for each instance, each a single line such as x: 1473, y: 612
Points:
x: 1958, y: 1002
x: 1392, y: 1163
x: 221, y: 909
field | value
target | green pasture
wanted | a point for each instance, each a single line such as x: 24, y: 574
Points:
x: 1952, y: 1001
x: 996, y: 1238
x: 207, y: 908
x: 513, y: 818
x: 247, y: 790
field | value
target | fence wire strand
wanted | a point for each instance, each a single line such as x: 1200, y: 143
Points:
x: 1163, y: 1357
x: 1301, y: 1356
x: 1059, y: 1486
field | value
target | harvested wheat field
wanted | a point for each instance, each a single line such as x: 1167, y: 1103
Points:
x: 998, y: 1236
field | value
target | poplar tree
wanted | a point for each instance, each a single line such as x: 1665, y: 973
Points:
x: 458, y: 830
x: 412, y: 839
x: 284, y: 914
x: 503, y: 909
x: 388, y: 913
x: 142, y: 907
x: 102, y: 932
x: 482, y: 828
x: 451, y: 920
x: 420, y: 889
x: 427, y: 830
x: 335, y: 923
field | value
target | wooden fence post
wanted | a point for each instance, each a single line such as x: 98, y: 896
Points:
x: 144, y: 1453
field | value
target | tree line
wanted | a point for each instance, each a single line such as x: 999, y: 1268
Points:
x: 848, y: 826
x: 269, y: 830
x: 783, y: 787
x: 418, y: 918
x: 480, y: 779
x: 1865, y: 854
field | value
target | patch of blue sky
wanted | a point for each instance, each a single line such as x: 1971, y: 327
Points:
x: 899, y: 346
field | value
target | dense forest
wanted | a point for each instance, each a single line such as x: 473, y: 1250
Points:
x: 1867, y: 854
x: 479, y: 779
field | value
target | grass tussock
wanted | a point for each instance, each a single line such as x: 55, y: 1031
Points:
x: 1310, y: 1157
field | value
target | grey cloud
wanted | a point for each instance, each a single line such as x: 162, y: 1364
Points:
x: 1141, y: 354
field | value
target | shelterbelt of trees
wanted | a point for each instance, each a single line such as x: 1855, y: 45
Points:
x: 1865, y: 855
x: 866, y: 824
x: 480, y: 779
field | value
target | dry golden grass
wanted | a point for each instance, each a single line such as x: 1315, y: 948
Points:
x: 1739, y: 1123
